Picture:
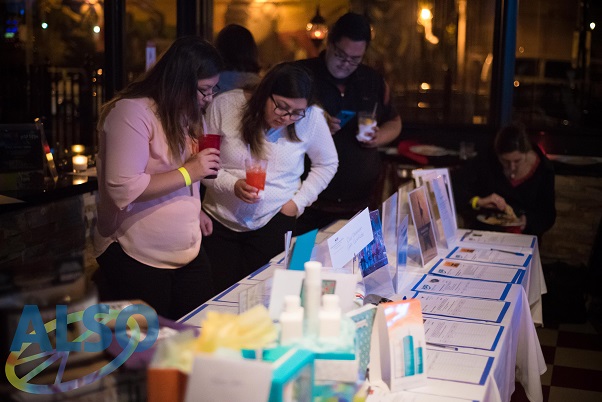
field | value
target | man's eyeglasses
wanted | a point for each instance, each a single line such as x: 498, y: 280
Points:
x: 344, y: 57
x: 295, y: 115
x: 214, y: 91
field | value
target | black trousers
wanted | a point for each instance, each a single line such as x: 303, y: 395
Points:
x: 234, y: 255
x: 171, y: 292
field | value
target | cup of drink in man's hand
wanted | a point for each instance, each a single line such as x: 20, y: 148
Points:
x: 366, y: 125
x: 256, y: 172
x: 210, y: 140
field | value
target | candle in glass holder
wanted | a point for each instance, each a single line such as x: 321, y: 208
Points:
x: 77, y: 149
x: 80, y: 163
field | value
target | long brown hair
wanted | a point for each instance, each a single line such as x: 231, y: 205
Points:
x: 285, y: 79
x: 172, y: 84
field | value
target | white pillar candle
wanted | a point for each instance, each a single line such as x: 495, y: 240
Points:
x: 80, y: 163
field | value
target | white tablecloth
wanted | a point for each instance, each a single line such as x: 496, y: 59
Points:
x: 517, y: 355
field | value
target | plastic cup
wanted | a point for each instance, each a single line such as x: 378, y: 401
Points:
x: 366, y: 124
x: 256, y: 172
x: 210, y: 141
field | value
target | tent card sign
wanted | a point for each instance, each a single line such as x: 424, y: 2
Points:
x: 389, y: 224
x: 347, y: 242
x: 423, y: 175
x: 421, y: 216
x: 402, y: 247
x: 397, y: 352
x: 374, y: 255
x: 445, y: 211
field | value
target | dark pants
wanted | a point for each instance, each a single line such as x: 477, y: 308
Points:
x: 234, y: 255
x: 171, y: 292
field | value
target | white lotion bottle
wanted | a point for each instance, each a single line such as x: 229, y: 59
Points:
x: 291, y: 320
x: 330, y: 317
x: 311, y: 299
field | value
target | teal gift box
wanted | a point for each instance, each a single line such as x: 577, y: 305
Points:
x: 292, y: 373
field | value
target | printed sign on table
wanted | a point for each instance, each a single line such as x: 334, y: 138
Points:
x: 423, y: 225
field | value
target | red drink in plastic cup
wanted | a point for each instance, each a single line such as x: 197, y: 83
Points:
x: 210, y: 141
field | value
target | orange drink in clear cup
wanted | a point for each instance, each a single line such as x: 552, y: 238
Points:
x: 256, y: 172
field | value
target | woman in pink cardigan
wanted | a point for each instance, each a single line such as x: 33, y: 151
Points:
x: 150, y: 223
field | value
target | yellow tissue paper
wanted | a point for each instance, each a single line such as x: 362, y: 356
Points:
x: 252, y: 329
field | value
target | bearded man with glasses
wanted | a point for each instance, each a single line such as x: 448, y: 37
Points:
x: 343, y: 83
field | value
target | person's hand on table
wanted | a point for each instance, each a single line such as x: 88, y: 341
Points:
x: 245, y: 192
x: 289, y: 209
x: 206, y: 224
x: 203, y: 164
x: 492, y: 201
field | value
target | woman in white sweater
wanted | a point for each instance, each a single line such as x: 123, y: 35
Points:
x: 278, y: 122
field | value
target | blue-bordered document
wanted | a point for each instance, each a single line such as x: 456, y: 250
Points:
x: 499, y: 238
x: 458, y: 367
x: 481, y: 272
x: 461, y: 334
x: 462, y: 287
x: 491, y: 255
x: 463, y: 307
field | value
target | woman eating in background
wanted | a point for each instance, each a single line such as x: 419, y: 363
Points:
x: 515, y: 178
x: 148, y: 235
x: 277, y: 123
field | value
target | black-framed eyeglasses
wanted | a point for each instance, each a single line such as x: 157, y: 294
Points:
x: 295, y: 115
x: 340, y: 55
x: 214, y: 91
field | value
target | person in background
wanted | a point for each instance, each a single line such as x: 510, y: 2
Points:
x: 344, y: 83
x: 150, y: 223
x: 279, y: 123
x: 238, y: 49
x: 514, y: 177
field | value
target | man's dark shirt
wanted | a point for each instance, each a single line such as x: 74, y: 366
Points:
x: 359, y: 167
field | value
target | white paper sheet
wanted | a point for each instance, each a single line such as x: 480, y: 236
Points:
x: 462, y: 287
x: 499, y: 238
x: 459, y: 367
x: 215, y: 378
x: 484, y: 272
x: 461, y: 333
x: 350, y: 239
x: 495, y: 255
x: 463, y: 307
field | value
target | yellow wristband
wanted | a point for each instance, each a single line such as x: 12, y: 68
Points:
x: 474, y: 202
x: 186, y: 175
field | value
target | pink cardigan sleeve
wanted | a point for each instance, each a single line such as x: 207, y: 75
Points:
x: 128, y: 129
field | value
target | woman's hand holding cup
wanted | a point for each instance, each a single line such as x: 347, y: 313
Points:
x: 203, y: 164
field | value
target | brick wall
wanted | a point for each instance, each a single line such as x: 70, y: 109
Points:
x: 579, y: 209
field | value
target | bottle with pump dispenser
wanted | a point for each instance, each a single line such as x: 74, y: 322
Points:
x: 330, y: 317
x: 291, y: 320
x: 312, y: 285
